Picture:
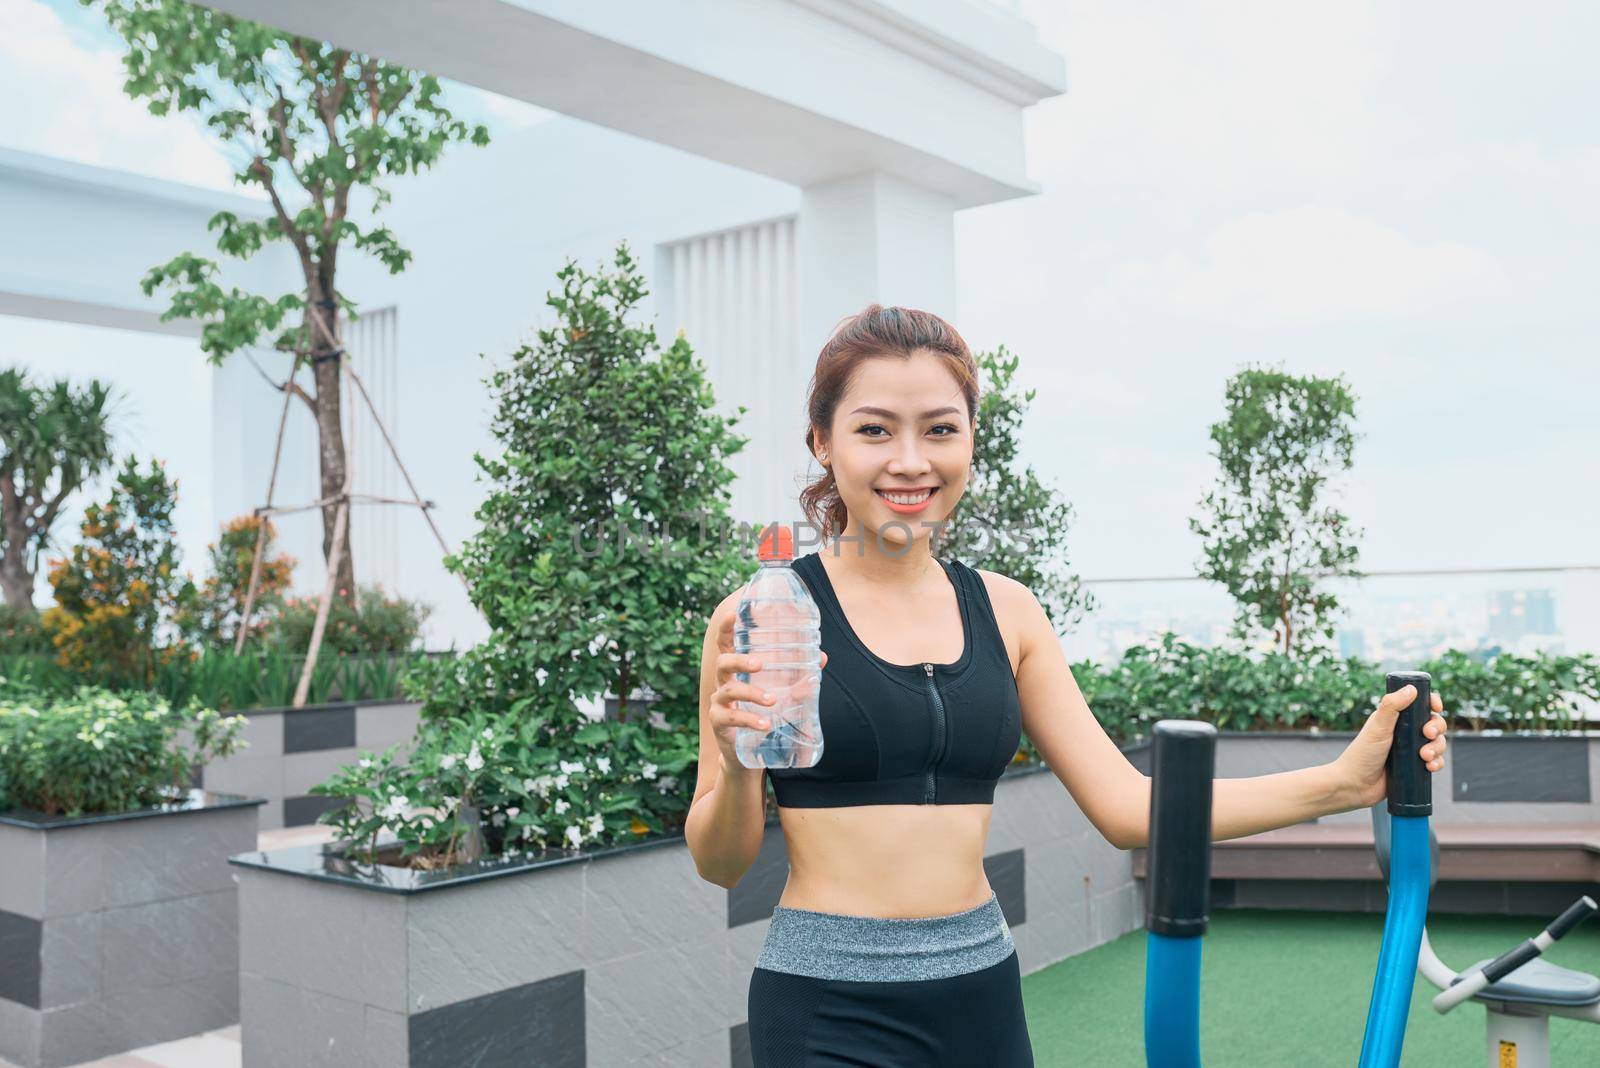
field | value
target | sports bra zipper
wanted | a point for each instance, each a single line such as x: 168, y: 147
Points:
x: 939, y: 732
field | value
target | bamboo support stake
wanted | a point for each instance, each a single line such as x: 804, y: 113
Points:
x: 261, y: 529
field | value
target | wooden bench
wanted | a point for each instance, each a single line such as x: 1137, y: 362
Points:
x: 1467, y: 853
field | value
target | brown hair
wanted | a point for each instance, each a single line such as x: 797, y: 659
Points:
x: 873, y: 331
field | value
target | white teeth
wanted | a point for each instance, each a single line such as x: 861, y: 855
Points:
x: 901, y: 498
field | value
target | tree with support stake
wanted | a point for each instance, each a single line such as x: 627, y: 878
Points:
x: 313, y: 126
x: 317, y: 128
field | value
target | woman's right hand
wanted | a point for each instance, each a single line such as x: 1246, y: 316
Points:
x: 725, y: 713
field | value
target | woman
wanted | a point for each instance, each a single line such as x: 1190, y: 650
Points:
x: 888, y: 946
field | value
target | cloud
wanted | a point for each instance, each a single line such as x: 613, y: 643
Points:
x: 1210, y: 96
x: 1312, y: 264
x: 76, y: 108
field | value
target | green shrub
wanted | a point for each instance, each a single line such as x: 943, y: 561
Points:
x: 372, y: 622
x: 22, y: 631
x: 211, y: 616
x: 1172, y: 679
x: 97, y: 751
x: 498, y: 776
x: 118, y: 590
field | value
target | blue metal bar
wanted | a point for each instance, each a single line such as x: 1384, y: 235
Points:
x: 1172, y: 1001
x: 1402, y: 941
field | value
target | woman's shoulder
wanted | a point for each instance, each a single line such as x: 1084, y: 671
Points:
x: 1002, y: 588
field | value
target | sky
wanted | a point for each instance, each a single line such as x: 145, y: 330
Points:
x: 1400, y: 193
x: 1403, y: 194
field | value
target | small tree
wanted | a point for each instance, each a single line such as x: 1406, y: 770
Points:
x: 312, y: 125
x: 1269, y: 534
x: 119, y: 590
x: 1008, y: 521
x: 590, y: 566
x: 212, y: 617
x: 53, y: 439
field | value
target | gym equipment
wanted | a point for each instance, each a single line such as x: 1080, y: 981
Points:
x: 1178, y: 885
x: 1518, y: 991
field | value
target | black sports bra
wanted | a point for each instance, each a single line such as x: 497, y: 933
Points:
x: 908, y: 734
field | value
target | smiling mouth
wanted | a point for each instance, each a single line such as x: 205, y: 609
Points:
x: 916, y: 497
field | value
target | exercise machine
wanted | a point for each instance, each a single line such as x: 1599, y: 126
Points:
x: 1183, y: 765
x: 1519, y: 991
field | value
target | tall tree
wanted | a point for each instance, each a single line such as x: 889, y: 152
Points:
x: 311, y: 125
x: 53, y: 439
x: 1268, y: 530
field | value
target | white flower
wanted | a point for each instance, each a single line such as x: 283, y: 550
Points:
x: 395, y: 808
x: 448, y: 761
x: 575, y: 835
x: 667, y: 782
x: 561, y: 782
x: 571, y: 767
x: 561, y: 806
x: 658, y: 720
x: 498, y: 819
x: 527, y: 833
x: 474, y: 759
x: 488, y: 735
x: 530, y: 786
x: 597, y: 824
x: 648, y: 771
x: 513, y: 812
x: 365, y: 763
x: 604, y: 764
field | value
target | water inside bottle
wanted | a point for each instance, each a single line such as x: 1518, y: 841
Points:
x: 779, y: 623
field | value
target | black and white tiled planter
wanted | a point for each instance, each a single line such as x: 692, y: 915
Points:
x: 606, y: 958
x: 291, y: 750
x: 118, y: 931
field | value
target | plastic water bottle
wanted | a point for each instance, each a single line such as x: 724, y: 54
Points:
x: 779, y: 624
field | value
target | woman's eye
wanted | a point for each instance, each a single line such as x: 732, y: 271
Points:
x: 941, y: 426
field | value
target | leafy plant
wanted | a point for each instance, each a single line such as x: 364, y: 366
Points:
x: 486, y: 784
x: 217, y: 678
x: 118, y: 591
x: 589, y: 565
x: 22, y: 631
x: 1008, y: 521
x: 320, y: 129
x: 1173, y: 679
x: 53, y: 439
x: 96, y: 751
x: 1268, y: 532
x: 212, y: 617
x: 371, y: 623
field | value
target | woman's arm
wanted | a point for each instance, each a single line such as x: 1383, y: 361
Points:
x: 1115, y: 796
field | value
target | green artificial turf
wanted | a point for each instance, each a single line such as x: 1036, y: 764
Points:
x: 1290, y: 990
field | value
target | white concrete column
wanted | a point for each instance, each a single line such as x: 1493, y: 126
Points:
x: 863, y: 239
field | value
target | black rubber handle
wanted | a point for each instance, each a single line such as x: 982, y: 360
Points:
x: 1410, y: 782
x: 1579, y: 911
x: 1178, y: 889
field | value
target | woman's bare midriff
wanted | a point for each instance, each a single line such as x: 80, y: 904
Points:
x: 886, y: 861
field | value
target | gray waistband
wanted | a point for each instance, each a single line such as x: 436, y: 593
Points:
x: 831, y: 945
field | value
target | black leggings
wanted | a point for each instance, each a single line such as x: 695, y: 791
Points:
x: 973, y: 1020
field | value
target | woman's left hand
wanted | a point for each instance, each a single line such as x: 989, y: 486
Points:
x: 1360, y: 768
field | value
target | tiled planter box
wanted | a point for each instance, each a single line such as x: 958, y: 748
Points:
x: 118, y: 931
x: 293, y: 749
x: 610, y: 958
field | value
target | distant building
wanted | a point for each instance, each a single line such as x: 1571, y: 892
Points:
x: 1515, y: 614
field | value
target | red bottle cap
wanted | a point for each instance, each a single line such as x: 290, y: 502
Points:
x: 777, y: 543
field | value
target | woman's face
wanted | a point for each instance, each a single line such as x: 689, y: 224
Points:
x: 914, y: 436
